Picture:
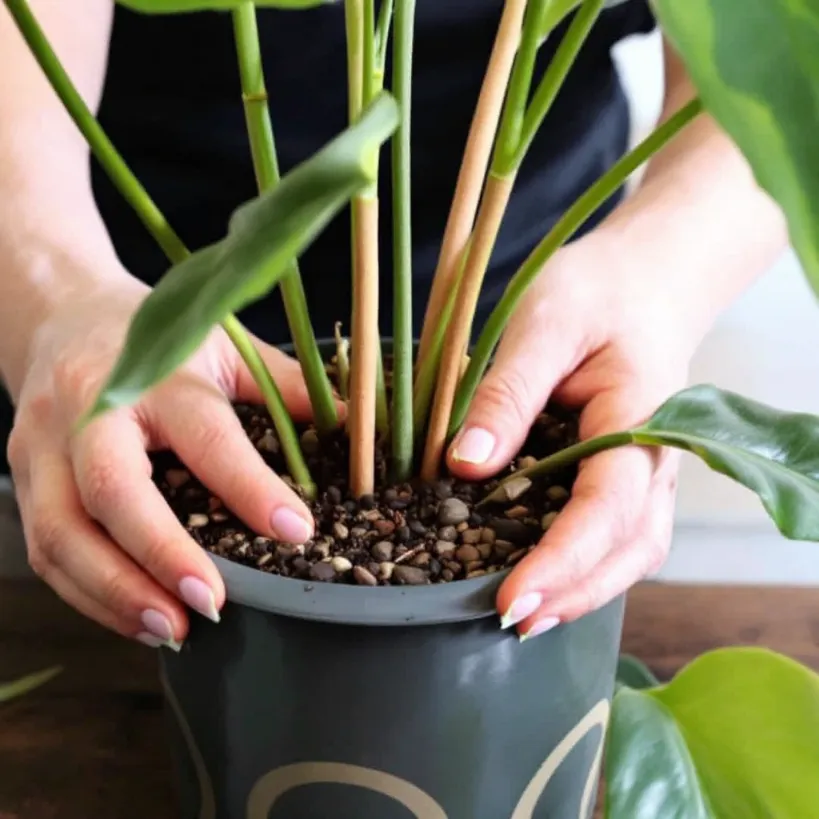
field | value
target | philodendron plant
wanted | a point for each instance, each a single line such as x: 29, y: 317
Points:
x: 737, y: 733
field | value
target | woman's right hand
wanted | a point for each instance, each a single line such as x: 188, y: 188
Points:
x: 98, y: 530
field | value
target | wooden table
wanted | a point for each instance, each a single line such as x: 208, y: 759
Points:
x: 90, y: 745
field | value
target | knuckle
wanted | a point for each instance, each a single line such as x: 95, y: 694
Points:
x: 117, y: 594
x: 656, y: 553
x: 17, y: 450
x: 506, y: 391
x: 206, y: 436
x: 100, y: 486
x: 45, y: 544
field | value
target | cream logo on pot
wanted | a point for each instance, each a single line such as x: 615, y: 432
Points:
x: 275, y: 784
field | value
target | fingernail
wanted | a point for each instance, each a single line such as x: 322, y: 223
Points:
x: 475, y: 446
x: 290, y: 526
x: 151, y: 640
x: 199, y: 597
x: 157, y: 623
x: 541, y: 627
x: 521, y: 609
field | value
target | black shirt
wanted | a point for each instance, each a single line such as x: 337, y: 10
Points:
x: 172, y: 105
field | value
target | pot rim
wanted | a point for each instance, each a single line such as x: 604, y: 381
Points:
x: 455, y: 602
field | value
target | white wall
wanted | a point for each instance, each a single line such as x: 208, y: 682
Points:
x: 763, y: 347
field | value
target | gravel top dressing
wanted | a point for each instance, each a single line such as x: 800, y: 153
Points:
x: 401, y: 535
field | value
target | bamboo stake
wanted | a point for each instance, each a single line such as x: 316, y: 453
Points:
x: 473, y: 166
x: 365, y: 347
x: 496, y: 197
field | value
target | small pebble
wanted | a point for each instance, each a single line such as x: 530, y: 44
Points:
x: 526, y: 462
x: 384, y: 527
x: 322, y: 572
x: 471, y: 536
x: 557, y: 494
x: 334, y: 495
x: 448, y: 533
x: 382, y: 551
x: 198, y: 521
x: 467, y: 553
x: 320, y: 550
x: 516, y: 487
x: 444, y: 547
x: 410, y: 576
x: 177, y: 477
x: 487, y: 535
x: 484, y: 550
x: 547, y: 520
x: 517, y: 512
x: 268, y: 442
x: 340, y: 531
x: 452, y: 512
x: 386, y: 569
x: 364, y: 577
x: 310, y: 442
x: 341, y: 564
x: 264, y: 559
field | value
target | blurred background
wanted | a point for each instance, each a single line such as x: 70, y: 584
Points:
x: 762, y: 347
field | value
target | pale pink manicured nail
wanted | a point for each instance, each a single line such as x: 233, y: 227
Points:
x: 158, y: 624
x: 475, y: 446
x: 521, y: 609
x: 541, y: 627
x: 150, y: 640
x: 290, y: 526
x: 199, y: 597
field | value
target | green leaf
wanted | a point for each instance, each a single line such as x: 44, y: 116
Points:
x: 756, y: 65
x: 734, y: 736
x: 181, y: 6
x: 18, y: 688
x: 773, y: 453
x: 264, y: 236
x: 633, y: 673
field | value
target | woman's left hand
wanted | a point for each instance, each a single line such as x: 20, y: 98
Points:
x: 611, y: 340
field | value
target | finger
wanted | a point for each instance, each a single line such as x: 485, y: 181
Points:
x: 616, y: 573
x: 206, y: 434
x: 606, y: 504
x: 113, y: 474
x: 75, y: 558
x: 540, y: 346
x: 289, y: 379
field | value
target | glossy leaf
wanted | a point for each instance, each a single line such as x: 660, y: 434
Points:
x: 264, y: 236
x: 773, y: 453
x: 734, y: 736
x: 633, y: 673
x: 560, y: 9
x: 182, y: 6
x: 756, y: 65
x: 18, y: 688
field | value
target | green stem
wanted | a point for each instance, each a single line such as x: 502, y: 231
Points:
x: 382, y: 36
x: 266, y: 167
x: 402, y: 428
x: 19, y: 688
x: 554, y: 78
x: 354, y: 20
x: 370, y: 60
x: 382, y: 409
x: 136, y: 195
x: 559, y: 460
x: 288, y: 437
x: 571, y: 221
x: 520, y: 84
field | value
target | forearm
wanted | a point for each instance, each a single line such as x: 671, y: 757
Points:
x: 698, y: 223
x: 52, y: 240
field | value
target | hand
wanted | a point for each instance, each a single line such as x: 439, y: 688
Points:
x: 614, y: 344
x: 98, y: 530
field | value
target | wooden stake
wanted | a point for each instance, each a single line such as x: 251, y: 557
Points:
x: 365, y: 347
x: 473, y: 165
x: 496, y: 197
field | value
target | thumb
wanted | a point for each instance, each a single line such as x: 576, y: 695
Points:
x: 533, y: 357
x: 289, y: 378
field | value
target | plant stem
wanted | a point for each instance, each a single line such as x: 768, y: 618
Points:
x: 382, y: 37
x: 354, y: 19
x: 566, y: 457
x: 365, y: 347
x: 288, y: 437
x: 139, y: 199
x: 571, y: 221
x: 552, y: 81
x: 266, y: 167
x: 402, y: 438
x: 520, y: 85
x: 473, y: 170
x: 496, y: 197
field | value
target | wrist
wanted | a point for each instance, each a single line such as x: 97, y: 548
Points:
x: 43, y: 275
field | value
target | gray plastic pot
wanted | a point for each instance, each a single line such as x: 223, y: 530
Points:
x: 320, y: 701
